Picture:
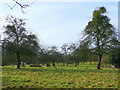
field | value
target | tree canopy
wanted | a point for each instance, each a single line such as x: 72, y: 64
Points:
x: 99, y: 33
x: 18, y: 40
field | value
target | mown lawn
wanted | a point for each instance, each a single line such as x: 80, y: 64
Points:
x: 83, y: 76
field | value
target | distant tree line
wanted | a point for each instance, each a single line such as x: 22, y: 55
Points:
x: 99, y: 44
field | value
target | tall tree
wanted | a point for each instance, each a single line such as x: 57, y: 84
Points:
x: 72, y: 55
x: 18, y: 40
x: 53, y: 54
x: 65, y: 50
x: 99, y: 33
x: 81, y: 53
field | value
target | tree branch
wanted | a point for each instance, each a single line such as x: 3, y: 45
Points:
x: 22, y: 6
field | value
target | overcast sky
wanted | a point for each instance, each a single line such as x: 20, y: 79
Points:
x: 56, y: 23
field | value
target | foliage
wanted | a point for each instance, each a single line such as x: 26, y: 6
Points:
x: 82, y: 53
x: 18, y: 41
x: 114, y: 56
x: 105, y: 59
x: 99, y: 33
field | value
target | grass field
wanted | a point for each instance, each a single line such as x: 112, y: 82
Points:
x: 83, y: 76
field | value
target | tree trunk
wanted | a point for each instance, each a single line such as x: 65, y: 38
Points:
x: 99, y: 61
x: 18, y: 60
x: 78, y: 63
x: 75, y: 64
x: 53, y: 64
x: 67, y: 64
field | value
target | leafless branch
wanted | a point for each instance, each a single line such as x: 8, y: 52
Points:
x: 10, y: 6
x: 22, y: 6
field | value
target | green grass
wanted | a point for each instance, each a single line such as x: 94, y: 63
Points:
x: 83, y: 76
